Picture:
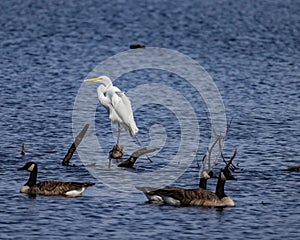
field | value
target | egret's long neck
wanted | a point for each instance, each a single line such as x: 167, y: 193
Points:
x: 220, y: 187
x: 102, y: 98
x: 32, y: 178
x: 101, y: 90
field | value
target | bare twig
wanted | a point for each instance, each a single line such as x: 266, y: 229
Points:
x: 210, y: 151
x: 78, y: 139
x: 292, y: 168
x: 23, y: 149
x: 229, y: 163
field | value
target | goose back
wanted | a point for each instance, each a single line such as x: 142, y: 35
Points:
x: 57, y: 188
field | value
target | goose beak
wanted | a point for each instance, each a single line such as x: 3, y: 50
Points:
x: 93, y: 79
x: 22, y: 168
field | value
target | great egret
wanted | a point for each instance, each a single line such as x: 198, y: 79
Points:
x: 117, y: 104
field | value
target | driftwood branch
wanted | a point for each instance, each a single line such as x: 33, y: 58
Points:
x: 72, y: 149
x: 229, y: 163
x: 292, y: 168
x: 135, y: 155
x: 210, y: 151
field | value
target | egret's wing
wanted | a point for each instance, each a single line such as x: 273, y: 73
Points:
x: 122, y: 107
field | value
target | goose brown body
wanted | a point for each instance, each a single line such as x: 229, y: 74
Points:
x: 151, y: 193
x: 56, y: 188
x: 51, y: 188
x: 193, y: 197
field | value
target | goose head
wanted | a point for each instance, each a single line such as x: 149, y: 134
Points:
x: 28, y: 166
x: 208, y: 175
x: 226, y: 174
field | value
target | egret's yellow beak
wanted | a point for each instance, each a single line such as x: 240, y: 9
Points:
x: 93, y: 79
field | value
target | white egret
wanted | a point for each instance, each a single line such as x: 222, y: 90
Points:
x: 117, y: 104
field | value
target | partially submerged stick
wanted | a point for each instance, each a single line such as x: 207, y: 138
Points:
x: 229, y: 163
x: 292, y: 168
x: 23, y: 149
x: 78, y: 139
x: 135, y: 155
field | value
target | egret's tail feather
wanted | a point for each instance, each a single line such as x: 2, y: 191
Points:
x: 132, y: 131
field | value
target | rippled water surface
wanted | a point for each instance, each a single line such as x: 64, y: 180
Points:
x: 250, y: 48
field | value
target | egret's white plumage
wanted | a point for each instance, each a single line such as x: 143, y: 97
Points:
x: 116, y: 103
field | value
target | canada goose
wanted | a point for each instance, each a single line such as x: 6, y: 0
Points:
x: 152, y: 195
x: 78, y: 139
x: 51, y: 188
x: 205, y: 175
x: 135, y: 155
x: 193, y: 197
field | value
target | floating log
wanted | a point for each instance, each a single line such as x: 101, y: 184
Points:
x: 292, y: 168
x: 135, y: 155
x: 78, y: 139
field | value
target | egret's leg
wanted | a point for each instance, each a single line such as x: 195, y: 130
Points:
x: 109, y: 163
x: 119, y: 132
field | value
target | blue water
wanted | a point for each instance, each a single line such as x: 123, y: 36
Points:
x: 250, y: 48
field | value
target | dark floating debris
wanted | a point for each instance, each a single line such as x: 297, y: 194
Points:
x: 116, y: 152
x: 292, y: 168
x: 135, y: 155
x: 23, y: 149
x: 78, y: 139
x: 135, y: 46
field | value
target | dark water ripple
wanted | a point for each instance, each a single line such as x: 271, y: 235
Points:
x: 250, y: 48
